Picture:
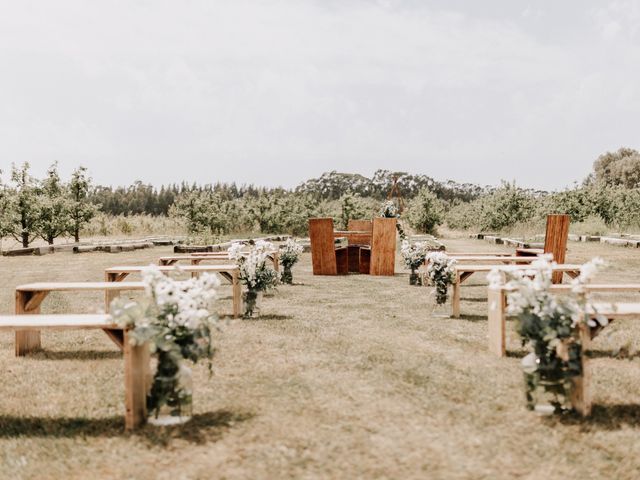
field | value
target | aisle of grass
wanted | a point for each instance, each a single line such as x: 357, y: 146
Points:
x: 343, y: 377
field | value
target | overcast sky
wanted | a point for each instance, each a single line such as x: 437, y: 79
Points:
x: 274, y: 92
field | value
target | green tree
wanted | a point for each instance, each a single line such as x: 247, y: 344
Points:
x: 81, y: 211
x: 202, y: 212
x: 350, y: 208
x: 505, y: 207
x: 24, y: 205
x: 54, y: 212
x: 619, y: 168
x: 5, y: 209
x: 425, y: 212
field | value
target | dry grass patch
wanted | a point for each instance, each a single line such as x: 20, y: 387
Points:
x: 343, y: 377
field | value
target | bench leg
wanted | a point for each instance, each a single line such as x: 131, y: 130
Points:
x: 26, y: 341
x: 497, y: 321
x: 581, y: 386
x: 455, y: 297
x: 136, y: 383
x: 237, y: 295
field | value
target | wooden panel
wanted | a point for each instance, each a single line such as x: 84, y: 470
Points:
x: 555, y: 241
x: 323, y: 250
x: 383, y: 246
x: 362, y: 225
x: 342, y: 261
x: 354, y: 238
x: 365, y: 260
x: 354, y: 258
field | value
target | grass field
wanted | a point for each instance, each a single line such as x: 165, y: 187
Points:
x: 342, y: 377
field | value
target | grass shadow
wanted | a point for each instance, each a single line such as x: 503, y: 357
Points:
x: 473, y: 318
x: 273, y: 316
x: 202, y: 428
x: 77, y: 355
x: 619, y: 354
x: 603, y: 417
x: 473, y: 299
x: 516, y: 353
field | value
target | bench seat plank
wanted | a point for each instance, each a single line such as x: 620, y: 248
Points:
x: 57, y: 322
x: 69, y: 286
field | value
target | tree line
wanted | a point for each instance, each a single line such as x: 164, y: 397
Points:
x: 50, y: 208
x: 46, y: 208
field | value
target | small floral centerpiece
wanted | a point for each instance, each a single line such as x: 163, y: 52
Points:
x: 177, y: 320
x: 388, y: 209
x: 547, y: 325
x: 254, y: 273
x: 441, y: 274
x: 289, y: 255
x: 414, y: 255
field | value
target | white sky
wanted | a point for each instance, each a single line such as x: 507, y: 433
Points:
x: 274, y: 92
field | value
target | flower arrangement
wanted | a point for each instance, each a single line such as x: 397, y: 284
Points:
x: 177, y: 320
x: 547, y: 325
x: 289, y: 255
x: 414, y: 255
x: 254, y: 272
x: 441, y: 273
x: 389, y: 209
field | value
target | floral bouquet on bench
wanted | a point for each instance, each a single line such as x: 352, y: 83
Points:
x: 254, y: 273
x: 177, y: 320
x: 414, y: 255
x: 289, y: 255
x: 549, y: 326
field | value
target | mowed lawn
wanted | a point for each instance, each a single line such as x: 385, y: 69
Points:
x: 342, y: 377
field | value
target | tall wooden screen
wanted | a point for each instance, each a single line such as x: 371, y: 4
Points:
x: 555, y: 241
x: 323, y: 250
x: 383, y: 247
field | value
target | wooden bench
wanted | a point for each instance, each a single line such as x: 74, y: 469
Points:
x: 555, y: 243
x: 499, y: 259
x: 463, y: 272
x: 274, y: 257
x: 497, y: 304
x: 29, y: 298
x: 136, y: 358
x: 229, y: 272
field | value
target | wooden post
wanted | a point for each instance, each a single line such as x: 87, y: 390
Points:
x: 497, y: 299
x: 555, y: 241
x: 276, y: 261
x: 455, y: 296
x: 110, y: 295
x: 26, y: 341
x: 581, y: 386
x: 136, y: 382
x: 383, y: 246
x: 237, y: 294
x: 323, y: 249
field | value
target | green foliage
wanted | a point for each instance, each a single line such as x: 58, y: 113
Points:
x: 81, y: 210
x: 425, y: 212
x: 24, y: 207
x: 350, y: 208
x: 203, y: 213
x: 619, y: 168
x: 55, y: 207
